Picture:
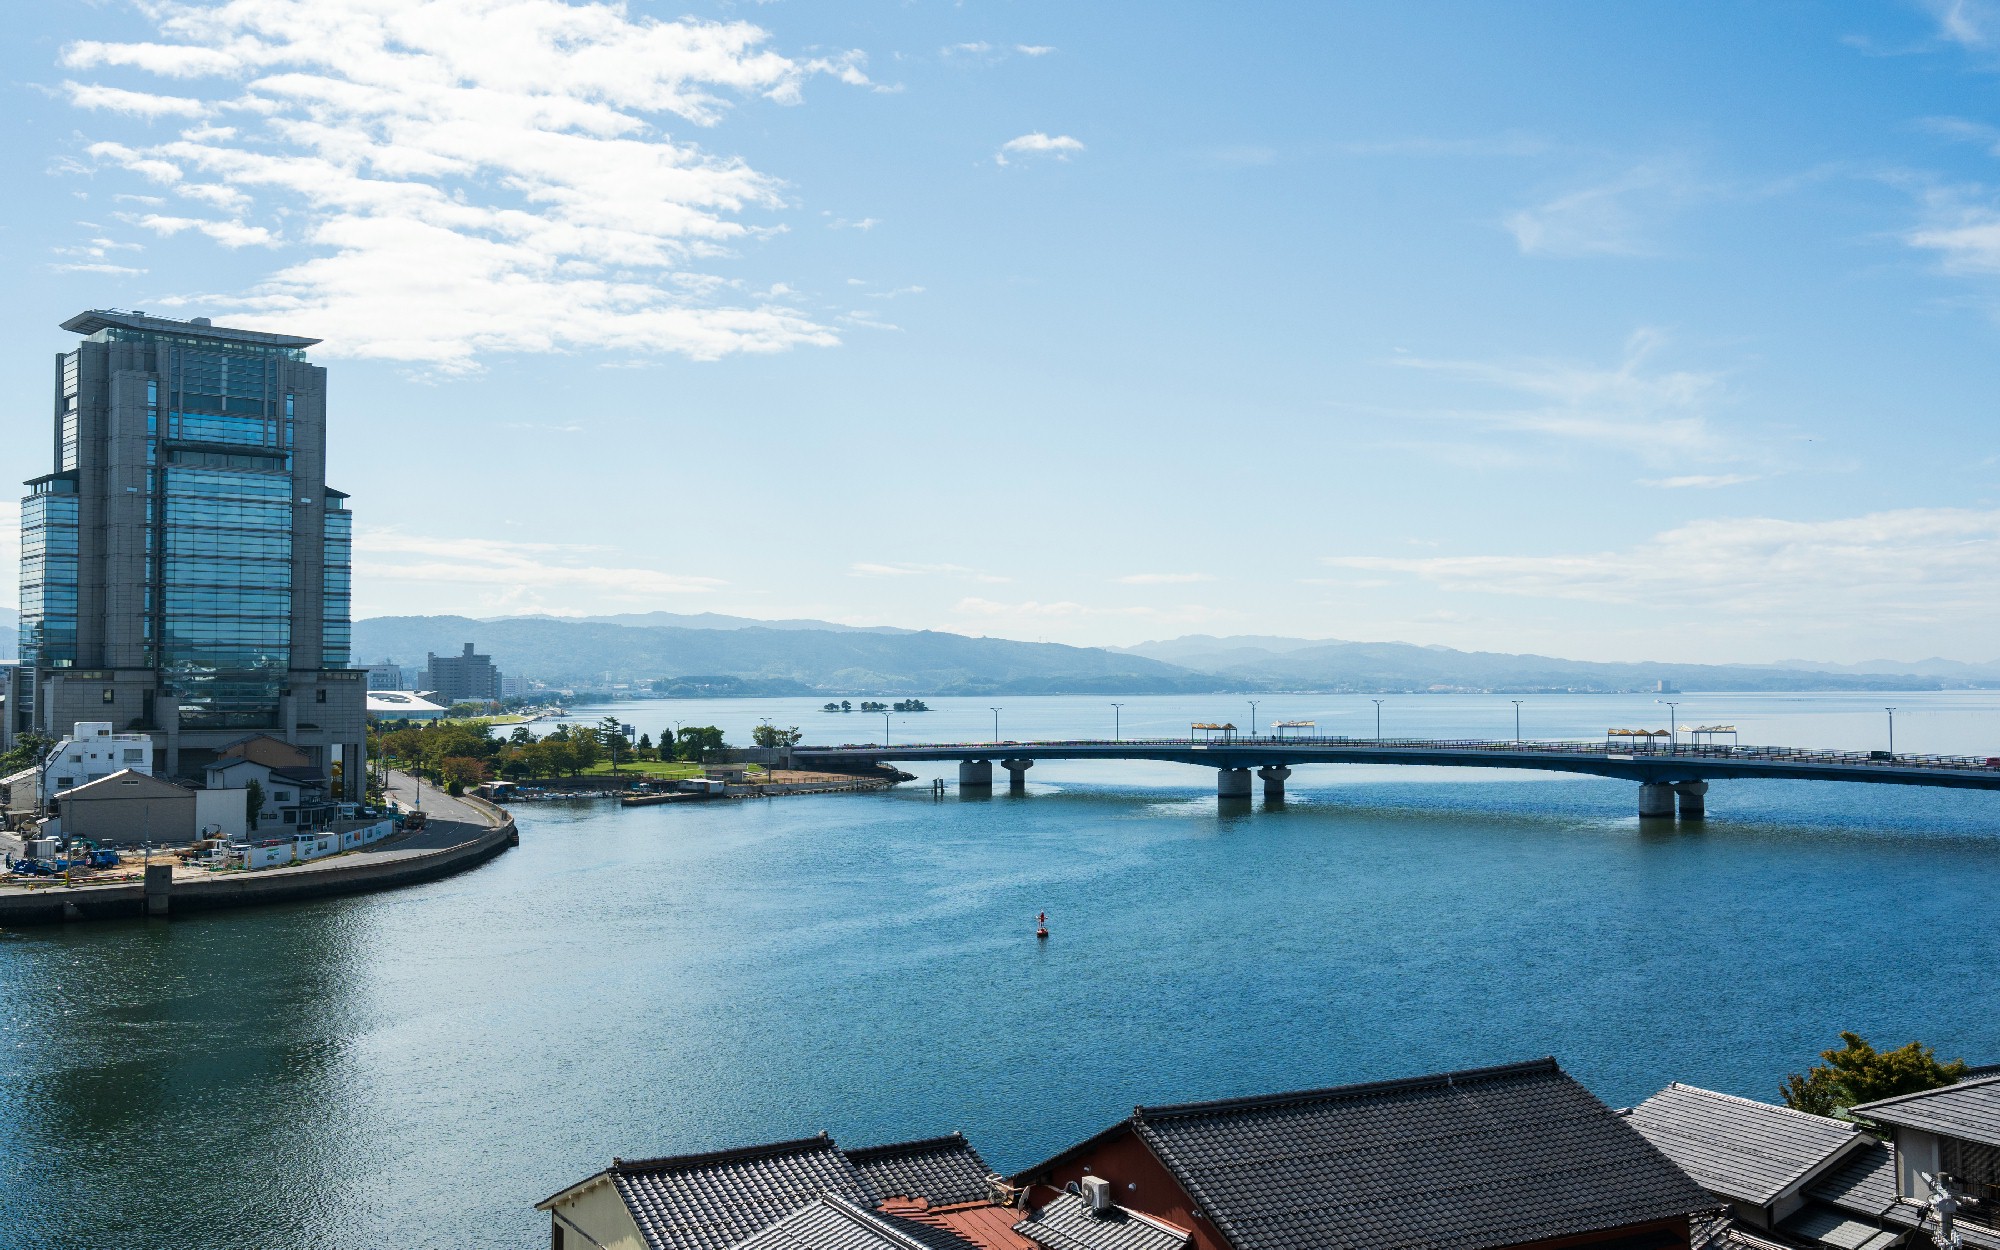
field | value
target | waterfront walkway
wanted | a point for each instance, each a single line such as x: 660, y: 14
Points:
x: 1666, y: 774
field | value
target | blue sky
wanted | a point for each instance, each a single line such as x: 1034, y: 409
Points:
x: 1612, y: 331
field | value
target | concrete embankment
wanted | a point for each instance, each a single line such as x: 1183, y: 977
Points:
x: 440, y: 851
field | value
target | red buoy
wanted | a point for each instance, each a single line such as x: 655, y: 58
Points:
x: 1042, y: 925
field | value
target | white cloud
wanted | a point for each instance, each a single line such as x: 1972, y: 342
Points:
x: 1038, y: 144
x: 869, y: 569
x: 865, y: 223
x: 136, y: 103
x: 1033, y: 49
x: 1163, y: 579
x: 501, y: 574
x: 1909, y: 565
x: 1966, y: 22
x: 227, y: 233
x: 1702, y: 481
x: 94, y: 266
x: 1613, y: 218
x: 1659, y: 413
x: 468, y: 175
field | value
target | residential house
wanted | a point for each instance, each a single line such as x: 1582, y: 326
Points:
x: 1513, y: 1156
x: 292, y: 796
x: 1942, y: 1141
x: 91, y: 752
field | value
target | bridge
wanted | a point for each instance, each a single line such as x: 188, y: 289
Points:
x: 1669, y: 776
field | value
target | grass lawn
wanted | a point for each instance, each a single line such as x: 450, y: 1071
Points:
x: 649, y: 768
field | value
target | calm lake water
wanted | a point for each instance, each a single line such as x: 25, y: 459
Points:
x: 420, y: 1067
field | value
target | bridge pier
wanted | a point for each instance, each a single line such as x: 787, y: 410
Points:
x: 1693, y: 797
x: 975, y: 775
x: 1017, y: 775
x: 1232, y: 783
x: 1274, y: 782
x: 1656, y: 800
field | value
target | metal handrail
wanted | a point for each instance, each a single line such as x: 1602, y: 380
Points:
x: 1561, y: 748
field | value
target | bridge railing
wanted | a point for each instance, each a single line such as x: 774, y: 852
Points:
x: 1567, y: 748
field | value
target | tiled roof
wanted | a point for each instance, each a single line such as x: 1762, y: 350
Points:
x: 1864, y: 1181
x: 1459, y: 1161
x: 713, y: 1201
x: 1816, y: 1221
x: 1739, y: 1149
x: 940, y: 1170
x: 830, y: 1223
x: 986, y: 1226
x: 1067, y: 1224
x: 1968, y: 1110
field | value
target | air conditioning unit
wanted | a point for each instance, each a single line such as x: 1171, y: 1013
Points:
x: 1096, y: 1194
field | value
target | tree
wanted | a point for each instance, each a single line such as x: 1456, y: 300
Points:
x: 696, y: 739
x: 772, y: 736
x: 584, y: 750
x: 460, y: 771
x: 667, y: 745
x: 645, y: 743
x: 1856, y: 1072
x: 253, y: 802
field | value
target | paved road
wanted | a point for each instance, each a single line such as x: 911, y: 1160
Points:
x: 409, y: 792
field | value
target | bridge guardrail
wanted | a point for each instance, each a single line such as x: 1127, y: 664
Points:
x: 1566, y: 748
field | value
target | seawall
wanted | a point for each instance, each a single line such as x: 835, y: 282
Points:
x: 348, y: 874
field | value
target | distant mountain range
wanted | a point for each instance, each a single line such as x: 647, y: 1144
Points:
x: 730, y: 655
x: 759, y: 659
x: 1334, y: 665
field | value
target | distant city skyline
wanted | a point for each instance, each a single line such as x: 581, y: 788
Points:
x: 1659, y: 332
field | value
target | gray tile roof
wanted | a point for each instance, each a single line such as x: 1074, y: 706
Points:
x: 830, y: 1223
x: 941, y: 1170
x: 1864, y: 1181
x: 1067, y: 1224
x: 1969, y: 1110
x: 1829, y: 1226
x: 713, y: 1201
x: 1736, y: 1148
x: 1459, y: 1161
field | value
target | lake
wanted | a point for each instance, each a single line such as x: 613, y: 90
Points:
x: 426, y: 1064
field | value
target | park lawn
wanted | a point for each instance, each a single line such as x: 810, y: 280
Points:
x: 673, y: 769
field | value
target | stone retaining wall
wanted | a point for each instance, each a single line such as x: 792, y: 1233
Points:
x: 346, y: 876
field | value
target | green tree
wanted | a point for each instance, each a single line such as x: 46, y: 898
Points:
x: 253, y: 802
x: 696, y: 739
x: 460, y: 771
x: 584, y: 750
x: 666, y: 745
x: 772, y: 736
x: 1856, y: 1072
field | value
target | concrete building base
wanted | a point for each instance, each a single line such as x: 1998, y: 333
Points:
x: 159, y: 888
x: 1232, y: 783
x: 1656, y: 800
x: 975, y: 775
x: 1693, y: 796
x: 1017, y: 775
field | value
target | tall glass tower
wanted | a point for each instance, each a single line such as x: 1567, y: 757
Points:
x: 185, y: 568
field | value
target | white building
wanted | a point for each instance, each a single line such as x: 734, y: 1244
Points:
x: 91, y: 753
x: 403, y: 705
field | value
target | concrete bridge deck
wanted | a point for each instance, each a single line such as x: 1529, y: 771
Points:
x: 1665, y: 773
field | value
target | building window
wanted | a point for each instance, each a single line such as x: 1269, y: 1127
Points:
x: 319, y: 696
x: 64, y: 783
x: 110, y: 695
x: 1975, y: 1170
x: 135, y: 755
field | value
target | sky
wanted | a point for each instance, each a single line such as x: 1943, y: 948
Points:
x: 1665, y: 331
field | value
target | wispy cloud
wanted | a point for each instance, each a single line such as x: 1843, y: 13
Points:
x: 414, y: 569
x: 1163, y: 579
x: 1658, y: 412
x: 1969, y: 23
x: 464, y: 180
x: 870, y: 569
x: 1061, y: 147
x: 1619, y: 216
x: 1703, y: 481
x: 1914, y: 564
x: 1033, y: 49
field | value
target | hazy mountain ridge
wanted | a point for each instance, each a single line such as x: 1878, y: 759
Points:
x: 706, y: 620
x: 1334, y: 665
x: 777, y: 660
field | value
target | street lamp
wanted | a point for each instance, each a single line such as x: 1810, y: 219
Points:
x: 1378, y: 718
x: 996, y: 723
x: 1892, y: 729
x: 885, y: 729
x: 1117, y: 722
x: 1673, y: 722
x: 1253, y: 717
x: 1517, y: 718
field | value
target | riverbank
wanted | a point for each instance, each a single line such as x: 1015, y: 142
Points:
x: 442, y: 848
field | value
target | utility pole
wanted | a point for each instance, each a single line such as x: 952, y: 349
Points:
x: 1117, y: 722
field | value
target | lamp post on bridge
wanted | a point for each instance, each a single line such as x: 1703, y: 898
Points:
x: 1117, y: 722
x: 1378, y: 718
x: 1673, y: 723
x: 1253, y: 716
x: 1892, y: 729
x: 885, y: 729
x: 1517, y: 718
x: 996, y: 723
